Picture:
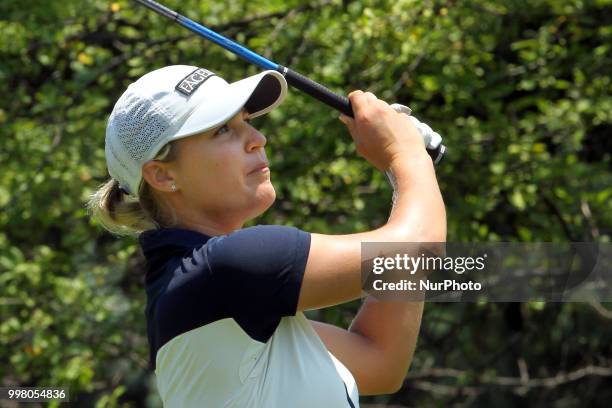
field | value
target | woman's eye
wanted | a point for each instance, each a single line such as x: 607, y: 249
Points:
x: 222, y: 130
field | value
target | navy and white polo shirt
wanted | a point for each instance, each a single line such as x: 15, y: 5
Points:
x: 223, y: 325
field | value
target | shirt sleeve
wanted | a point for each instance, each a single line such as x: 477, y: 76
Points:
x: 259, y: 269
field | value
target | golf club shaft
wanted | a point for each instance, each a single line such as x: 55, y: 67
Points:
x: 293, y: 78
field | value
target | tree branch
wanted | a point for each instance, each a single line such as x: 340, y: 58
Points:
x: 518, y: 384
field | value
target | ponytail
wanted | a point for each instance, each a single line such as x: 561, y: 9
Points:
x: 122, y: 214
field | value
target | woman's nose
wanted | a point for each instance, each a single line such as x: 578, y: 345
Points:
x: 255, y: 139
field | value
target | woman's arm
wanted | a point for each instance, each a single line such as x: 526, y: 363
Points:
x: 333, y: 269
x: 379, y: 345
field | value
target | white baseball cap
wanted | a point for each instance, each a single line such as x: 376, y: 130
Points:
x: 175, y: 102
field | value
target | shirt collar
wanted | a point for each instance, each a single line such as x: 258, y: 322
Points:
x: 161, y: 241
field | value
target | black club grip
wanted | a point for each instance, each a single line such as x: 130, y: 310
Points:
x: 317, y: 91
x: 338, y: 102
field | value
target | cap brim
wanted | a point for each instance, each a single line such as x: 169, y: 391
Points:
x: 259, y: 94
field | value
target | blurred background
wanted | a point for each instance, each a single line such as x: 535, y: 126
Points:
x: 520, y: 91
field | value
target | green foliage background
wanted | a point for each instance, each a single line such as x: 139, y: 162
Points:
x: 520, y: 90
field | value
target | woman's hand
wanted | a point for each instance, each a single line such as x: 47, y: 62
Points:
x: 381, y: 134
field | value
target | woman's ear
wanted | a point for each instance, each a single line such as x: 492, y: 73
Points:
x: 158, y: 174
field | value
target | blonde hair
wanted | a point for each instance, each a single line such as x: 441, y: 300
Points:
x: 122, y: 214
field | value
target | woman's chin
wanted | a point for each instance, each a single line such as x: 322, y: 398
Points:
x: 265, y: 197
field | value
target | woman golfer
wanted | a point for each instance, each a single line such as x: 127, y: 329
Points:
x: 225, y: 304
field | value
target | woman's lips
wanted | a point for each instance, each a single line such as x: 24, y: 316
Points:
x: 262, y: 168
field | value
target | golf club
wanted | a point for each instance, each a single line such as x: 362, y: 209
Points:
x: 433, y: 141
